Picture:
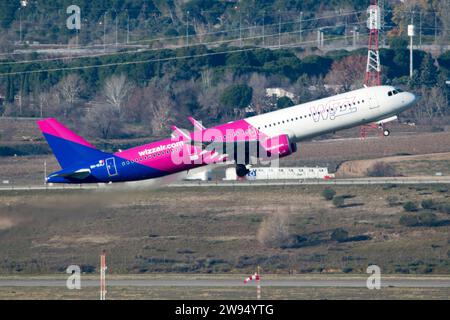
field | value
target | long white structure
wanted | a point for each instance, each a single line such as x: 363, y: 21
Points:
x: 287, y: 173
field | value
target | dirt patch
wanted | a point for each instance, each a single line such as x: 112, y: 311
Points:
x: 67, y: 241
x: 359, y: 168
x: 6, y: 223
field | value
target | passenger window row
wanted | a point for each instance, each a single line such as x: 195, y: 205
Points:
x: 309, y: 115
x: 145, y: 158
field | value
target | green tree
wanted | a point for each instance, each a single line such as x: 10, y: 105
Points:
x: 284, y: 102
x: 10, y: 89
x: 236, y: 96
x: 428, y: 71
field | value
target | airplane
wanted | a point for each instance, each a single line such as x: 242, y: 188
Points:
x: 267, y: 136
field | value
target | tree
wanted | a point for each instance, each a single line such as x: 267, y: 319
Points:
x: 284, y: 102
x: 432, y: 104
x: 103, y: 120
x: 116, y: 91
x: 158, y: 107
x: 70, y: 89
x: 428, y: 71
x: 316, y: 65
x: 347, y: 72
x: 236, y: 96
x: 259, y: 84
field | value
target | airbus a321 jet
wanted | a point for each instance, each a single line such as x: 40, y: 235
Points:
x: 270, y: 135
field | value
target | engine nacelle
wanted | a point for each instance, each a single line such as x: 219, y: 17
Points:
x: 279, y: 146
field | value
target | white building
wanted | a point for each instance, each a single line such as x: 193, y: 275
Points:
x: 196, y: 175
x: 279, y: 93
x: 269, y: 173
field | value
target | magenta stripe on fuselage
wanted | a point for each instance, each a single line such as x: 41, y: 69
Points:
x: 156, y: 154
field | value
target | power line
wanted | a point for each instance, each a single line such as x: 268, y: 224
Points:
x: 172, y: 48
x: 274, y: 47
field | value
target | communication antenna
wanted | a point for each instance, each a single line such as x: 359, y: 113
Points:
x: 373, y: 69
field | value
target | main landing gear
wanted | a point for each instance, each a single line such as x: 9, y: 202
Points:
x: 241, y: 170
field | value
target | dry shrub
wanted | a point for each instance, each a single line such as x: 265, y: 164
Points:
x: 274, y: 230
x: 381, y: 169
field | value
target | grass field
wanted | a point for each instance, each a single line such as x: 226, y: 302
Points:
x: 199, y: 230
x: 91, y: 292
x: 179, y: 293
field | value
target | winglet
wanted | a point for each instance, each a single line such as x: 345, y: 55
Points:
x: 196, y: 124
x: 180, y: 132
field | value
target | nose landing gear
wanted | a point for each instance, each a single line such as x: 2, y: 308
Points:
x: 379, y: 128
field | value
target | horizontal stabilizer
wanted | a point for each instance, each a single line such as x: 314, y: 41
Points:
x: 181, y: 133
x: 197, y: 125
x: 79, y: 174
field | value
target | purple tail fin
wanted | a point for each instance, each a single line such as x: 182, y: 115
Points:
x: 69, y: 149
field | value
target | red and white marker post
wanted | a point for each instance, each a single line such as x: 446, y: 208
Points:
x: 257, y: 279
x: 103, y: 276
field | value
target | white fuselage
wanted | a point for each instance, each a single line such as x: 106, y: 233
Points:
x: 341, y: 111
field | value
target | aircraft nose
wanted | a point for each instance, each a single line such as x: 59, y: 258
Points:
x: 411, y: 98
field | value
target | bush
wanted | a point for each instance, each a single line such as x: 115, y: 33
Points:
x: 338, y: 201
x: 87, y: 268
x: 328, y: 193
x: 428, y: 219
x: 409, y: 221
x: 381, y: 169
x: 410, y: 206
x: 347, y: 270
x: 428, y: 204
x: 274, y: 231
x: 339, y: 235
x: 445, y: 208
x: 392, y: 201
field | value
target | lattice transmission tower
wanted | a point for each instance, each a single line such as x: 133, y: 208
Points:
x: 373, y: 69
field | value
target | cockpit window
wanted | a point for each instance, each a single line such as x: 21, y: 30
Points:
x: 395, y: 92
x: 390, y: 93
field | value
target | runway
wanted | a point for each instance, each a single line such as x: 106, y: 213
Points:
x: 245, y: 183
x: 306, y: 283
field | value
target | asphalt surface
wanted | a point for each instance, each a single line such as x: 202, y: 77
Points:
x: 248, y: 183
x: 343, y: 283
